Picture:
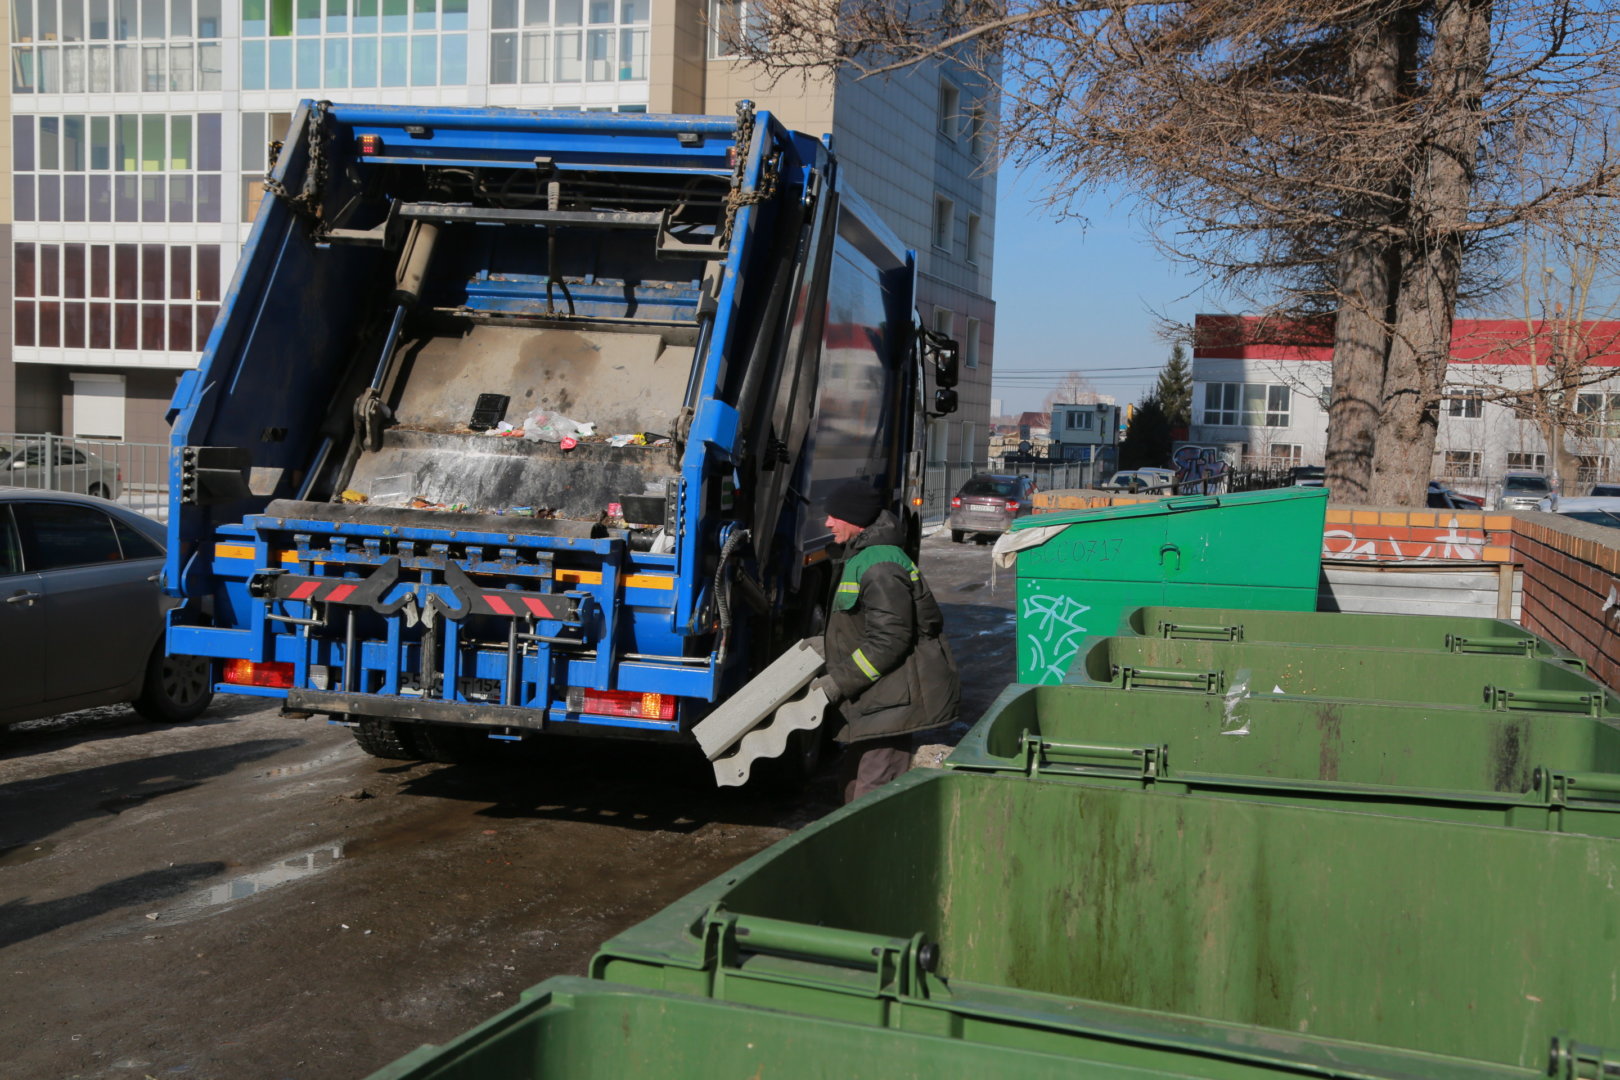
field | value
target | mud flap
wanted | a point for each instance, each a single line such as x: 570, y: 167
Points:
x: 758, y: 720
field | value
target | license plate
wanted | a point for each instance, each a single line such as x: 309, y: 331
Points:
x: 985, y: 510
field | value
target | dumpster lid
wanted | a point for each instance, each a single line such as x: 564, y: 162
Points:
x: 1176, y: 504
x: 1037, y: 529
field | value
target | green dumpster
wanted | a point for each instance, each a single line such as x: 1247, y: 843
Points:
x: 1238, y: 668
x: 1443, y: 633
x: 1030, y: 912
x: 580, y: 1029
x: 1082, y: 570
x: 1519, y: 769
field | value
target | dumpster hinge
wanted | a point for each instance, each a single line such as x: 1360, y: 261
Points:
x: 1580, y: 701
x: 1510, y: 646
x: 1080, y: 759
x: 899, y: 967
x: 1135, y: 678
x: 1559, y: 788
x: 1189, y: 631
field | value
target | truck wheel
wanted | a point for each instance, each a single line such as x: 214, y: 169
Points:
x: 385, y: 739
x: 957, y: 536
x: 177, y: 688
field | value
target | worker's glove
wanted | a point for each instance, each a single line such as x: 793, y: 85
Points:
x: 818, y: 643
x: 829, y: 686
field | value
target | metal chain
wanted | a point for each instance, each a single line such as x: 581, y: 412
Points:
x: 307, y: 200
x: 738, y: 198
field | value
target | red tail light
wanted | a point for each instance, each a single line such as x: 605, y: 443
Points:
x: 1012, y: 506
x: 247, y: 673
x: 629, y: 703
x: 956, y: 502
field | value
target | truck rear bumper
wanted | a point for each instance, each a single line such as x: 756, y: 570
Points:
x: 473, y: 714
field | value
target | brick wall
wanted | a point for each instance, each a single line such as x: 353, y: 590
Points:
x: 1571, y: 581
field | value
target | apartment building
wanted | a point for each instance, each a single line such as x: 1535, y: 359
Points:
x: 1261, y: 392
x: 139, y: 133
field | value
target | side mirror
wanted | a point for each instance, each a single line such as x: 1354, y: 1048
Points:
x: 944, y: 402
x: 942, y: 353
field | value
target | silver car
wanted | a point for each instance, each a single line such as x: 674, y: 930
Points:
x: 81, y: 612
x: 59, y: 467
x: 1522, y: 491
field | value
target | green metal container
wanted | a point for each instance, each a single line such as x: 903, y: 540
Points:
x: 1521, y: 769
x: 1258, y: 549
x: 580, y: 1029
x: 1435, y: 633
x: 1242, y: 668
x: 1036, y: 913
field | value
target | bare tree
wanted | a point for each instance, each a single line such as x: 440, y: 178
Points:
x: 1072, y: 389
x: 1336, y: 156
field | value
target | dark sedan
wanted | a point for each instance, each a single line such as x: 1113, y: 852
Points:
x: 81, y: 612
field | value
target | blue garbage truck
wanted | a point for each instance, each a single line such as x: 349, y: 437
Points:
x: 522, y: 421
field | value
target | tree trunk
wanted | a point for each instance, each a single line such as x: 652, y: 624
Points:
x: 1426, y: 295
x: 1381, y: 60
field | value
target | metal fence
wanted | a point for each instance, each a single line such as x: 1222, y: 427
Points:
x: 942, y: 479
x: 135, y: 474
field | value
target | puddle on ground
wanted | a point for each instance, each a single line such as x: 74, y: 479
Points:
x: 243, y: 886
x: 21, y: 853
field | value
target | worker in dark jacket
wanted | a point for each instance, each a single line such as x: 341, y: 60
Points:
x: 888, y: 668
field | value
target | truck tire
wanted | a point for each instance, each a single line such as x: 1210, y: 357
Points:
x: 177, y: 688
x: 957, y: 536
x: 385, y: 739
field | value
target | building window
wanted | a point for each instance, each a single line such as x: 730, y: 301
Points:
x: 950, y: 110
x: 1280, y: 455
x: 1465, y: 404
x: 972, y: 240
x: 125, y: 297
x: 970, y: 347
x: 1463, y: 464
x: 731, y: 23
x: 1081, y: 420
x: 944, y: 220
x: 1247, y: 405
x: 337, y: 44
x: 129, y: 167
x: 1599, y: 415
x: 978, y: 132
x: 1589, y: 470
x: 944, y: 321
x: 259, y: 130
x: 1527, y: 462
x: 117, y: 49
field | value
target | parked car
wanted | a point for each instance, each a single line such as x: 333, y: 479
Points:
x: 59, y: 468
x: 1442, y: 497
x: 1307, y: 476
x: 989, y: 503
x: 1134, y: 480
x: 1522, y: 491
x: 1599, y: 510
x: 81, y: 613
x: 1604, y: 491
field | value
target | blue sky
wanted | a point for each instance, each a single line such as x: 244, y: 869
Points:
x: 1073, y: 296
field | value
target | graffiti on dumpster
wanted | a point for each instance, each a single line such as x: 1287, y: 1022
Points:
x: 1199, y: 469
x: 1450, y: 542
x: 1056, y: 635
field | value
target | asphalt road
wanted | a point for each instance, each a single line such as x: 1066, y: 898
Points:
x: 249, y: 896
